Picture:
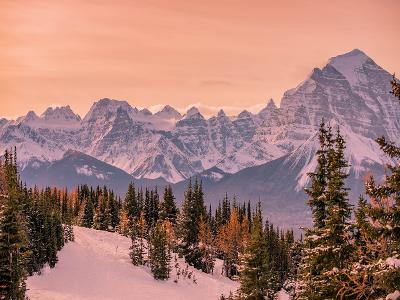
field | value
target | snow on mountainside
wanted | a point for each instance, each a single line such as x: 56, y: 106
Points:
x: 351, y: 91
x: 168, y: 112
x: 76, y: 168
x: 97, y: 266
x: 60, y: 118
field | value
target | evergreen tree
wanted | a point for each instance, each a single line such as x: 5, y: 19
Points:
x: 52, y: 247
x: 316, y: 192
x: 188, y: 224
x: 100, y: 216
x: 327, y: 245
x: 257, y: 279
x: 160, y: 256
x: 168, y: 210
x: 374, y: 272
x: 36, y: 220
x: 88, y: 213
x: 131, y: 206
x: 138, y: 248
x: 112, y: 213
x: 13, y: 239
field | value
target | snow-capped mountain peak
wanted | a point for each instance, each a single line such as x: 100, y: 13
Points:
x: 349, y: 64
x: 62, y: 118
x: 168, y: 112
x: 266, y: 111
x: 193, y: 112
x: 244, y: 115
x: 106, y: 107
x: 31, y: 116
x: 63, y: 113
x: 146, y: 112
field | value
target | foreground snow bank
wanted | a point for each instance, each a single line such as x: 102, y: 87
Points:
x: 97, y: 266
x: 282, y: 295
x: 393, y: 296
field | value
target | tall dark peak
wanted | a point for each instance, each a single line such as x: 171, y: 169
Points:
x: 193, y: 113
x: 221, y: 113
x: 271, y: 104
x: 270, y: 109
x: 244, y: 115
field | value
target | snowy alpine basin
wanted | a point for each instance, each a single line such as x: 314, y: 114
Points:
x: 97, y: 267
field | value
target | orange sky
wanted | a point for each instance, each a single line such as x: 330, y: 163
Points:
x: 230, y: 53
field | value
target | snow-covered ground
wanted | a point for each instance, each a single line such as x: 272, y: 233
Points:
x: 282, y: 295
x: 97, y: 267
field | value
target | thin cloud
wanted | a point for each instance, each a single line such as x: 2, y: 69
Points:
x: 216, y: 83
x: 211, y: 110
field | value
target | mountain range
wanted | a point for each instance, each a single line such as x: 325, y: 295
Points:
x: 262, y: 156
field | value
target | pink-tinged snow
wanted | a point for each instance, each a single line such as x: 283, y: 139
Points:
x: 282, y: 295
x: 349, y: 65
x: 393, y: 261
x: 97, y: 267
x: 393, y: 296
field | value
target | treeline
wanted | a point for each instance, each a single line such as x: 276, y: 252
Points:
x: 31, y: 229
x: 159, y: 230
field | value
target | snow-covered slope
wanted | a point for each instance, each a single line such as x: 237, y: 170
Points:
x: 76, y: 168
x: 97, y: 267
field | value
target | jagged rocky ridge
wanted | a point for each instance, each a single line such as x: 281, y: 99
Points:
x: 351, y: 90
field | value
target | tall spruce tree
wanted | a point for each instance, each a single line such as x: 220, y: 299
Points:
x: 88, y: 212
x: 168, y: 210
x: 311, y: 266
x: 327, y: 245
x: 188, y: 228
x: 256, y: 275
x: 159, y: 253
x: 316, y: 192
x: 100, y: 216
x: 131, y: 206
